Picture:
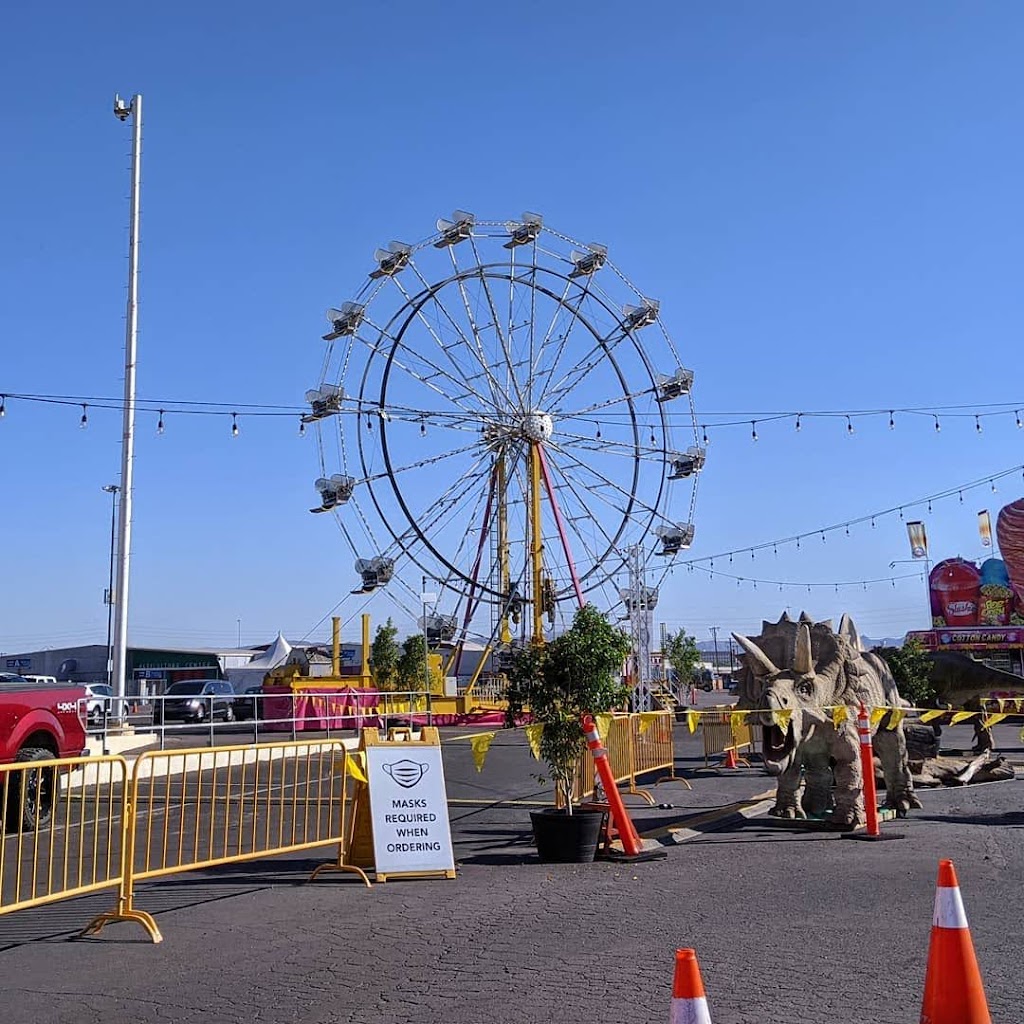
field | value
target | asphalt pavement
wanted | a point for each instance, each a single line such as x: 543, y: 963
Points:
x: 790, y: 925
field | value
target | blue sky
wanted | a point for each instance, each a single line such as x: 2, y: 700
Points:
x: 824, y: 198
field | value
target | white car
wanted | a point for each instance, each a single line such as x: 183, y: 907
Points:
x: 99, y: 702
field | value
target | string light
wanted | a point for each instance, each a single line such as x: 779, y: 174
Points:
x: 798, y: 415
x: 302, y: 427
x: 849, y: 426
x: 423, y: 429
x: 705, y: 434
x: 3, y: 406
x: 977, y: 424
x: 994, y: 488
x: 892, y: 421
x: 938, y: 427
x: 84, y: 421
x: 1016, y: 416
x: 234, y: 424
x: 160, y: 423
x: 753, y: 430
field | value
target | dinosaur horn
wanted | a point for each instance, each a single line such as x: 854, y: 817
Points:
x: 761, y: 664
x: 804, y: 617
x: 849, y: 630
x: 802, y: 660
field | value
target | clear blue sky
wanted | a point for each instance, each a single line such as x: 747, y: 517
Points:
x: 824, y: 197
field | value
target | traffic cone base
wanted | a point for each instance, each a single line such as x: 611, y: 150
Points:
x: 953, y: 991
x: 689, y: 1004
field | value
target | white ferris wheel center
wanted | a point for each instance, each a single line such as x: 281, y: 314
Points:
x: 499, y: 413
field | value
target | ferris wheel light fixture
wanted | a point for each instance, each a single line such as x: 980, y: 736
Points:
x: 456, y: 230
x: 525, y: 231
x: 392, y: 260
x: 344, y: 321
x: 586, y: 263
x: 675, y: 386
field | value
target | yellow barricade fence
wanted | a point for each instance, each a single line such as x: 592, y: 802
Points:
x: 722, y: 732
x: 636, y: 744
x: 192, y: 809
x: 61, y: 833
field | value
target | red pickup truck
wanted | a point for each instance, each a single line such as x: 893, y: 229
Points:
x: 37, y: 723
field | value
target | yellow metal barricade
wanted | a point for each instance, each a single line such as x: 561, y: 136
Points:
x: 721, y: 734
x: 654, y: 743
x: 62, y: 829
x: 195, y: 809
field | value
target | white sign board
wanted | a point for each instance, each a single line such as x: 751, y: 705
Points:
x: 409, y: 808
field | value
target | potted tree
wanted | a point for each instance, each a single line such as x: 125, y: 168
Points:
x: 557, y: 683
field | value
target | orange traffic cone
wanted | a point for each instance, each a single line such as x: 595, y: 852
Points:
x: 953, y: 993
x: 730, y: 758
x: 689, y: 1005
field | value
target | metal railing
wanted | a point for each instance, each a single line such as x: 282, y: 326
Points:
x: 264, y: 714
x: 721, y: 732
x: 61, y: 833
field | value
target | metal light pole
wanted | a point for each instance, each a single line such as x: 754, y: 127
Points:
x: 112, y: 490
x: 425, y: 598
x: 122, y: 111
x: 714, y: 635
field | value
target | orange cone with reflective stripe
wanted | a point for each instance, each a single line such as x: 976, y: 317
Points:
x: 689, y: 1005
x: 953, y: 993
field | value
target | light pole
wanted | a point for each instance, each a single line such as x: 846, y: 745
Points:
x: 122, y: 111
x: 112, y: 490
x: 425, y: 598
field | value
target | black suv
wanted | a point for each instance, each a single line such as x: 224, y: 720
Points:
x: 195, y: 700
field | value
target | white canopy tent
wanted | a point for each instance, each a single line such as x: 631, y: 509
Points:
x: 254, y: 672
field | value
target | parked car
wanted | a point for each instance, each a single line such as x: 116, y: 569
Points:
x: 38, y: 723
x: 195, y: 700
x: 247, y: 705
x: 100, y: 703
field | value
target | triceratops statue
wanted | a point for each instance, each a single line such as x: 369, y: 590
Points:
x: 808, y: 668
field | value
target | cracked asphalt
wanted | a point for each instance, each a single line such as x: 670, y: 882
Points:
x: 791, y: 926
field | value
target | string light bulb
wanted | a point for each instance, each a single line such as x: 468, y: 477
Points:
x: 929, y: 505
x: 84, y: 421
x: 938, y: 426
x: 423, y: 428
x: 994, y: 488
x: 302, y: 427
x: 849, y: 426
x: 597, y: 434
x: 160, y: 422
x: 3, y: 406
x: 977, y: 424
x: 892, y: 421
x: 1016, y: 416
x: 753, y: 430
x: 234, y: 424
x: 705, y: 433
x: 798, y: 415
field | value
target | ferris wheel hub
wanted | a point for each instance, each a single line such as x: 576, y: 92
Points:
x: 537, y: 426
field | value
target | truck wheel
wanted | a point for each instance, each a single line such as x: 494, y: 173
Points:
x: 41, y: 788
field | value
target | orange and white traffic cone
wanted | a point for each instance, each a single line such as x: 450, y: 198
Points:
x: 730, y: 758
x: 953, y: 992
x: 689, y: 1004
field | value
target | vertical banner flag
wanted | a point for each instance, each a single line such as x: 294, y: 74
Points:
x: 918, y: 540
x: 985, y: 528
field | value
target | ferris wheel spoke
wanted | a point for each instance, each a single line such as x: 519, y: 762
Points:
x: 630, y: 397
x: 502, y: 339
x: 500, y: 396
x: 574, y: 318
x: 579, y: 373
x: 475, y: 353
x: 430, y: 461
x: 606, y: 446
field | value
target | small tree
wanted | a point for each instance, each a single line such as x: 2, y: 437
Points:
x: 384, y: 657
x: 576, y: 674
x: 911, y: 667
x: 682, y: 651
x: 414, y: 669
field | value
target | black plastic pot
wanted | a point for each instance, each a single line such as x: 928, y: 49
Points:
x: 566, y: 838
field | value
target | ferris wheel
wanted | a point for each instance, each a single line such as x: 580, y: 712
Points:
x: 502, y: 412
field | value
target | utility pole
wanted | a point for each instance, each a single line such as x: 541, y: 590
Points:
x: 714, y: 637
x: 122, y: 111
x: 112, y: 490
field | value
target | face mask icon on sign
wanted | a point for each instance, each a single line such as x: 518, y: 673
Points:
x: 405, y: 772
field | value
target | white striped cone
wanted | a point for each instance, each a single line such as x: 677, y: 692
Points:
x: 689, y: 1004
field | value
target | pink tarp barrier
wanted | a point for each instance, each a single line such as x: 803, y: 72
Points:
x: 346, y: 709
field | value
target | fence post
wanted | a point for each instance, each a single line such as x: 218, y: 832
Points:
x: 211, y: 720
x: 293, y: 714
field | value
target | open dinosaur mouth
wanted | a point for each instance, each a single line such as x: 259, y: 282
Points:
x: 777, y: 744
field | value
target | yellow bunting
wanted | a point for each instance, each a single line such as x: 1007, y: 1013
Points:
x: 838, y: 715
x: 354, y: 768
x: 991, y: 720
x: 781, y: 718
x: 1018, y: 703
x: 962, y: 716
x: 1022, y: 735
x: 647, y: 719
x: 533, y: 734
x: 692, y: 718
x: 604, y: 724
x: 1001, y: 703
x: 895, y: 717
x: 930, y: 716
x: 737, y: 719
x: 480, y: 745
x: 877, y: 714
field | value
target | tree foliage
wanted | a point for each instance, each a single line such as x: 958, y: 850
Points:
x: 910, y: 666
x: 414, y: 670
x: 578, y: 673
x: 384, y: 657
x: 682, y: 652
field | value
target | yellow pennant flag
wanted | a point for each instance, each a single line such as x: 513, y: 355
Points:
x: 354, y: 766
x: 480, y: 745
x: 895, y: 717
x: 962, y: 716
x: 647, y: 719
x: 692, y: 718
x: 604, y: 724
x: 930, y: 716
x: 991, y: 720
x: 1018, y: 703
x: 533, y: 735
x: 877, y: 714
x: 737, y: 719
x: 1001, y: 703
x: 781, y: 717
x: 838, y: 715
x: 1022, y: 735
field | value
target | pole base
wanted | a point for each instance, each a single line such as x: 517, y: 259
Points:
x: 866, y: 838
